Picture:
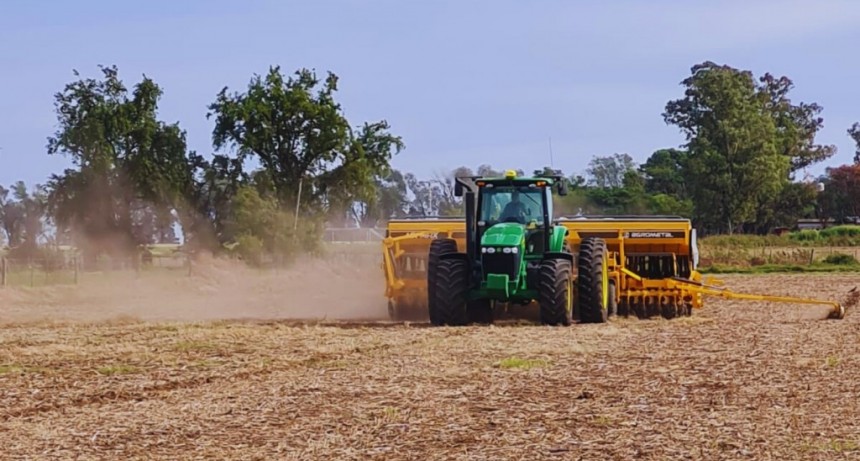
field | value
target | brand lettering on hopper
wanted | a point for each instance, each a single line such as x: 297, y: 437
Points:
x: 651, y: 235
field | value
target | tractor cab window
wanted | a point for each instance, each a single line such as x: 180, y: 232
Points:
x: 517, y: 204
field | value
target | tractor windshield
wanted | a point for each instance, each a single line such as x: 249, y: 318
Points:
x: 519, y: 204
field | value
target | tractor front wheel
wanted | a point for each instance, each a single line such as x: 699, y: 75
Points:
x: 592, y: 281
x: 448, y: 306
x: 555, y: 291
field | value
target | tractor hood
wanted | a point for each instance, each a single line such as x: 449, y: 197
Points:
x: 503, y: 234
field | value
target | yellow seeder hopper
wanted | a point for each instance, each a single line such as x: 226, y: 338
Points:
x: 648, y: 266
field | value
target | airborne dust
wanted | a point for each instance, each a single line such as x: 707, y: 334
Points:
x: 217, y: 289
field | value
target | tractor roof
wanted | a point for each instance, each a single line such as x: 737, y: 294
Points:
x: 510, y: 177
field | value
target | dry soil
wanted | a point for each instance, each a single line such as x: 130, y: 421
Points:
x: 135, y: 372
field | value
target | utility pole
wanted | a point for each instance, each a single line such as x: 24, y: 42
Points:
x: 296, y: 219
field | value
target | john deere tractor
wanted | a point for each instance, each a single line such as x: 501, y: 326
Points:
x: 515, y: 254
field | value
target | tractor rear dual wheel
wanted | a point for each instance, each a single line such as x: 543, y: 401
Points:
x: 438, y: 247
x: 592, y: 281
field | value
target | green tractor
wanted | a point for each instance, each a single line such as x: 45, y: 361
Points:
x: 515, y: 254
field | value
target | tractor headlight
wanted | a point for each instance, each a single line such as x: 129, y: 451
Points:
x: 491, y: 250
x: 506, y: 250
x: 515, y: 250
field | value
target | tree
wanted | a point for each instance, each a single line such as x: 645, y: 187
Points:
x: 796, y: 125
x: 8, y: 220
x: 664, y: 172
x: 297, y: 131
x: 448, y: 204
x: 208, y: 192
x: 734, y: 160
x: 795, y: 200
x: 389, y: 200
x: 841, y: 196
x: 22, y: 215
x: 127, y: 163
x: 12, y: 216
x: 854, y: 132
x: 609, y: 171
x: 32, y: 206
x: 487, y: 170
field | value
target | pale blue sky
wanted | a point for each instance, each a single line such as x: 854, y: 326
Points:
x: 464, y: 82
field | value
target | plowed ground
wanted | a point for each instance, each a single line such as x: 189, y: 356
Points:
x: 738, y: 380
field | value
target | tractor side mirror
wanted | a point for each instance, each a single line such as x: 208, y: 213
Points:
x: 562, y: 187
x: 458, y: 189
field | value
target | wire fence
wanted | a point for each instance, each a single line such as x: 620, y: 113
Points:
x: 38, y: 272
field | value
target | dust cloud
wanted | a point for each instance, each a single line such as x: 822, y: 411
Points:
x: 217, y: 290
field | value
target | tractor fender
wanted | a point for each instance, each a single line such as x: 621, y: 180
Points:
x: 557, y: 238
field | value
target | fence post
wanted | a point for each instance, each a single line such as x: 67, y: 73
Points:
x: 2, y: 272
x: 76, y: 269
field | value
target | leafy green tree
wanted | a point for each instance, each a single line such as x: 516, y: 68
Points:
x: 796, y: 128
x: 734, y: 159
x: 126, y: 161
x: 664, y: 173
x: 661, y: 203
x: 297, y: 131
x: 795, y: 200
x: 796, y: 125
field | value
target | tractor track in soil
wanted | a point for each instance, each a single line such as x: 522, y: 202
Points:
x: 738, y: 380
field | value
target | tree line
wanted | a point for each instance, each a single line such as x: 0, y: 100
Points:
x: 286, y: 162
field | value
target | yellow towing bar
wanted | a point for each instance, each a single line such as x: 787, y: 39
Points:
x: 837, y: 310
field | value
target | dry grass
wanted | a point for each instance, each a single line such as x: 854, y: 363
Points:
x: 738, y: 380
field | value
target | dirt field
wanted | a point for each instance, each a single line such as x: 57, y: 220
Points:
x: 124, y: 373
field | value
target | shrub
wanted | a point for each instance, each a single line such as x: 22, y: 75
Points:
x: 841, y: 259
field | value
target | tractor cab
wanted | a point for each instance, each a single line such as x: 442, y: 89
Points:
x: 512, y: 232
x: 512, y: 208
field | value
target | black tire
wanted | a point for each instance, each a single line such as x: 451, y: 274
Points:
x: 438, y: 247
x: 613, y: 303
x: 591, y: 266
x: 452, y: 286
x: 555, y: 291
